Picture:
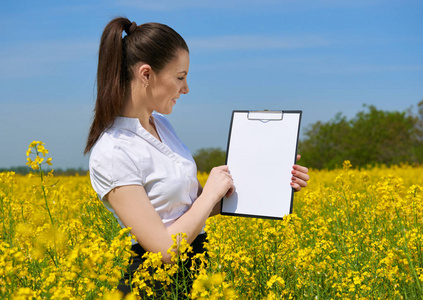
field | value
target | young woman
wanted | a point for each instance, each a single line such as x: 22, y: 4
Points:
x: 140, y: 169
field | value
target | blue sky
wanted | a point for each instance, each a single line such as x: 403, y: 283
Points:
x: 322, y: 57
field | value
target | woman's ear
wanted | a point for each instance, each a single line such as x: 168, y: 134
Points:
x: 143, y: 72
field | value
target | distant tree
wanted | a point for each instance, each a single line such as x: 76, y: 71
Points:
x: 326, y: 144
x: 371, y: 137
x: 71, y: 171
x: 383, y: 137
x: 208, y: 158
x: 18, y: 170
x: 23, y: 170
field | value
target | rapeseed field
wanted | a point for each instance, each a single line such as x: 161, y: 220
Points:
x: 353, y: 234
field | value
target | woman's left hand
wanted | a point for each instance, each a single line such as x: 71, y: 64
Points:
x: 299, y: 176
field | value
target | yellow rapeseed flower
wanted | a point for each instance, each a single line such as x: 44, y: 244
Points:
x: 349, y: 231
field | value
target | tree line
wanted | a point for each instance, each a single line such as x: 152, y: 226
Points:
x: 372, y: 137
x: 24, y: 170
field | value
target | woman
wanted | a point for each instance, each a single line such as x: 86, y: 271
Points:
x: 140, y: 169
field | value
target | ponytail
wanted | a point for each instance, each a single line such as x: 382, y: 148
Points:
x: 111, y: 73
x: 152, y: 43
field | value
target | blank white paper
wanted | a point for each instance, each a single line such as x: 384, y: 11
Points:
x: 261, y: 152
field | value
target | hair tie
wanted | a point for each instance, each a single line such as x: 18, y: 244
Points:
x: 129, y: 30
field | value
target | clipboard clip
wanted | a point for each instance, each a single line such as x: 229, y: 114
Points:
x: 265, y: 115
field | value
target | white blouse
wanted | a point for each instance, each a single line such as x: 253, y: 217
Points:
x: 127, y: 154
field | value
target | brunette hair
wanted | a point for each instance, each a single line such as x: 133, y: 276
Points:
x: 152, y: 43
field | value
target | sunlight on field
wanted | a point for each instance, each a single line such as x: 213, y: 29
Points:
x: 353, y: 235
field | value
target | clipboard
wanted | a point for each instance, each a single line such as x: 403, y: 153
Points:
x: 261, y: 150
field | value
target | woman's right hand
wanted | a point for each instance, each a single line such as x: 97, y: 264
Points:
x: 219, y: 183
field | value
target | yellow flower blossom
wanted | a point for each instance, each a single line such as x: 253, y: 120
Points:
x: 353, y: 234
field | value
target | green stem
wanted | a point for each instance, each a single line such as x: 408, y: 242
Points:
x: 46, y: 202
x: 44, y: 191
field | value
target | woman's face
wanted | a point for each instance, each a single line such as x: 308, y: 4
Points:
x: 166, y: 86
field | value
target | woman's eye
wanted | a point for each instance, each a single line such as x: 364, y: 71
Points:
x: 181, y: 78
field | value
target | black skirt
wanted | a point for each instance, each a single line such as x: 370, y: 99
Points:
x: 135, y: 262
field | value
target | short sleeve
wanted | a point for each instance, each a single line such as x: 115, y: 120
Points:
x: 111, y: 170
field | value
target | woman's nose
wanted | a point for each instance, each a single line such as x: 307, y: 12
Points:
x: 185, y: 89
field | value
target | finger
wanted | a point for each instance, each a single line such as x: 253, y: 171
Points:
x: 222, y: 168
x: 230, y: 191
x: 296, y: 186
x: 300, y: 175
x: 299, y: 181
x: 226, y: 174
x: 298, y: 157
x: 300, y: 169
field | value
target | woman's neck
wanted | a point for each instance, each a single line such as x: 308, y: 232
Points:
x: 135, y: 107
